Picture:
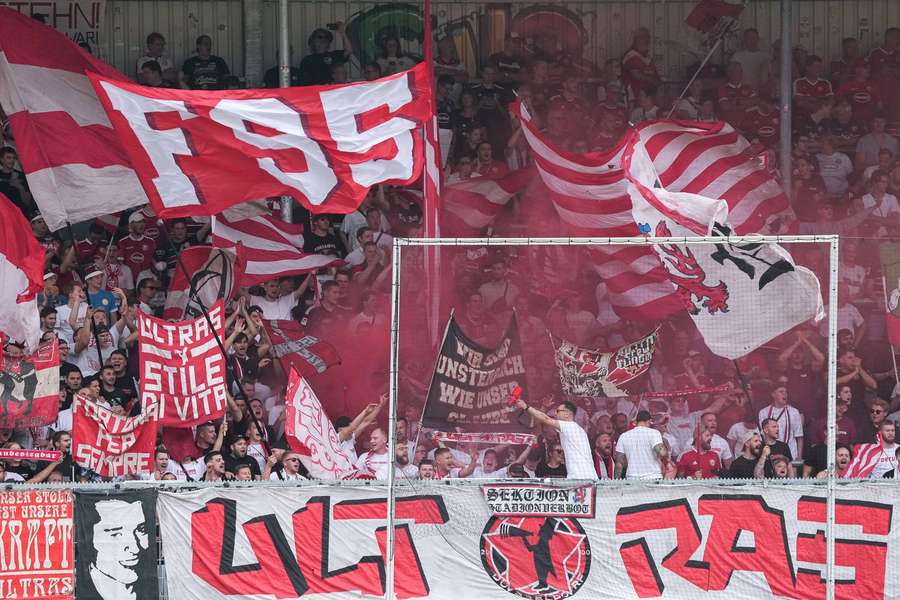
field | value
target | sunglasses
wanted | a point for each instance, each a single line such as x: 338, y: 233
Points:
x: 876, y: 411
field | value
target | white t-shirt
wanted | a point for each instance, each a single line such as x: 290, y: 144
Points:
x: 755, y: 64
x: 888, y: 207
x: 886, y: 461
x: 637, y: 445
x: 835, y: 169
x: 63, y: 329
x: 719, y: 444
x: 790, y: 425
x: 349, y: 448
x: 848, y: 317
x: 285, y: 477
x: 401, y: 473
x: 372, y: 463
x: 279, y: 309
x: 165, y: 63
x: 577, y: 449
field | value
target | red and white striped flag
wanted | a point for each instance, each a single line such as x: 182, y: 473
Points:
x: 21, y: 277
x: 592, y: 194
x: 75, y: 165
x: 472, y: 205
x: 272, y: 248
x: 865, y: 459
x: 310, y: 434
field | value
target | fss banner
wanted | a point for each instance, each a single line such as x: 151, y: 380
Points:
x: 471, y: 383
x: 183, y: 369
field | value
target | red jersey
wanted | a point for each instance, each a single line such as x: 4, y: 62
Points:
x: 884, y: 63
x: 863, y: 96
x: 635, y: 61
x: 494, y: 169
x: 86, y: 249
x: 820, y: 88
x: 577, y: 111
x: 764, y: 127
x: 138, y: 253
x: 734, y: 100
x: 707, y: 463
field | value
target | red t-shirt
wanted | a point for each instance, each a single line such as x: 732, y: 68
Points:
x: 635, y: 61
x: 863, y: 96
x: 734, y: 100
x: 86, y: 249
x: 763, y: 127
x: 882, y: 62
x: 707, y: 463
x: 820, y: 88
x: 138, y: 253
x: 493, y: 170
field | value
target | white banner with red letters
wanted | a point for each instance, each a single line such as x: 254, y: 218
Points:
x: 198, y: 152
x: 669, y: 541
x: 183, y: 369
x: 110, y: 444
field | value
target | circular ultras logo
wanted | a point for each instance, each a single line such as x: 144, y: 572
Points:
x: 544, y: 558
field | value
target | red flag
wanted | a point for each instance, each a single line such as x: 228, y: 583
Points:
x: 298, y: 350
x: 199, y: 152
x: 214, y: 273
x: 183, y: 369
x: 272, y: 248
x: 865, y: 459
x: 21, y: 276
x: 75, y: 165
x: 706, y: 15
x: 472, y: 205
x: 311, y: 434
x: 29, y: 385
x: 113, y: 445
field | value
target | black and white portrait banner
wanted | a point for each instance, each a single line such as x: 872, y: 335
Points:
x: 117, y: 555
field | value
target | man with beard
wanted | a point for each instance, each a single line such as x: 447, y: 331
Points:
x: 753, y: 463
x: 404, y: 470
x: 701, y: 461
x: 887, y: 459
x: 603, y: 456
x: 238, y: 456
x: 710, y: 422
x: 787, y: 418
x: 770, y: 439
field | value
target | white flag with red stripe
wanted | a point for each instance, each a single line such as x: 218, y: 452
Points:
x: 865, y: 459
x: 21, y: 277
x: 310, y: 434
x: 472, y: 205
x: 75, y: 165
x: 272, y: 248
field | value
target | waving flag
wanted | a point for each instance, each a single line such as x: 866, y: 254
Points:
x: 213, y: 275
x: 865, y: 459
x: 199, y: 152
x: 472, y: 205
x: 890, y: 269
x: 310, y: 434
x: 75, y: 166
x: 298, y: 350
x: 272, y: 248
x: 21, y: 276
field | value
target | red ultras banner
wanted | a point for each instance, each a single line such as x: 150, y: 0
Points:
x: 36, y: 545
x: 198, y: 152
x: 112, y: 445
x: 183, y: 369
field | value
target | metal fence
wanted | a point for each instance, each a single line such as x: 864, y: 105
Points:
x: 591, y: 31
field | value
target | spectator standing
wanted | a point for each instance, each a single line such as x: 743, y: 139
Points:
x: 572, y: 438
x: 156, y: 46
x: 315, y: 68
x: 887, y: 460
x: 753, y: 60
x: 137, y: 249
x: 700, y: 461
x: 788, y: 419
x: 835, y: 167
x: 870, y: 144
x: 392, y: 59
x: 771, y: 439
x: 735, y: 96
x: 205, y: 71
x: 638, y: 68
x: 640, y: 452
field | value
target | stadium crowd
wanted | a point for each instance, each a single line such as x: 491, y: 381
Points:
x: 768, y: 422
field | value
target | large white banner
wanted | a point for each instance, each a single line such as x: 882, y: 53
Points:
x: 461, y: 542
x: 80, y: 20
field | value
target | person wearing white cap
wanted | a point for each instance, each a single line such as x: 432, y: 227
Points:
x: 137, y: 249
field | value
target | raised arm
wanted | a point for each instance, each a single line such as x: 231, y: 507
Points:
x: 538, y: 415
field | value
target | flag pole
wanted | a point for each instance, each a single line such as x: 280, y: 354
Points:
x: 229, y: 368
x: 431, y: 383
x: 392, y: 417
x: 888, y: 310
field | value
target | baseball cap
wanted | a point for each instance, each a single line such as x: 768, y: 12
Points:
x: 36, y: 218
x: 749, y: 436
x: 49, y: 274
x: 135, y: 217
x: 94, y: 272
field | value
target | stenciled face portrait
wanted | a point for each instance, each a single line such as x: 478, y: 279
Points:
x: 120, y: 539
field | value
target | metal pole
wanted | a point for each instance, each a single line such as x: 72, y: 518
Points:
x: 786, y: 89
x: 392, y: 416
x: 284, y: 65
x: 832, y: 415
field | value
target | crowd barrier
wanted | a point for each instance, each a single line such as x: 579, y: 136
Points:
x: 463, y: 539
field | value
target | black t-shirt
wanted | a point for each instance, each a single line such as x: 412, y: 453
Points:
x: 781, y: 448
x: 545, y: 470
x: 116, y: 396
x: 315, y: 69
x: 233, y: 462
x: 323, y: 244
x: 126, y: 384
x: 205, y: 74
x: 742, y: 468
